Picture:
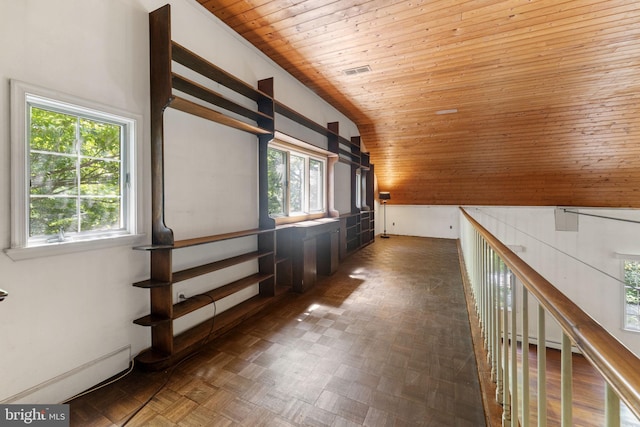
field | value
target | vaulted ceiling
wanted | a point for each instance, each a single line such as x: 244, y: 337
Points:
x: 546, y: 93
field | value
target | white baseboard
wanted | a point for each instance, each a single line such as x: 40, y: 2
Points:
x: 556, y: 345
x: 70, y: 383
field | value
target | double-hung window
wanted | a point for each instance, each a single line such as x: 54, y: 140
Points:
x: 631, y: 272
x: 73, y: 170
x: 297, y: 181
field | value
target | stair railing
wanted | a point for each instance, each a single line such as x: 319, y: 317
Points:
x: 492, y: 269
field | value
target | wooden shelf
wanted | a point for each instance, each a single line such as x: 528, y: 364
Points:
x: 217, y: 265
x: 190, y: 340
x: 299, y: 118
x: 192, y: 88
x: 198, y: 301
x: 281, y: 260
x: 178, y: 244
x: 189, y: 59
x: 168, y: 349
x: 347, y: 150
x: 219, y: 237
x: 151, y: 320
x: 191, y: 107
x: 150, y: 284
x: 202, y: 269
x: 221, y: 323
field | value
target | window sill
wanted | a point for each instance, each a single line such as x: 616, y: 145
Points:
x: 299, y: 218
x: 62, y: 248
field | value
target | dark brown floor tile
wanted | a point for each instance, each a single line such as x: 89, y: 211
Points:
x: 198, y: 391
x: 238, y: 410
x: 384, y: 341
x: 317, y: 417
x: 237, y: 384
x: 219, y: 399
x: 202, y: 416
x: 179, y: 409
x: 141, y: 418
x: 378, y: 418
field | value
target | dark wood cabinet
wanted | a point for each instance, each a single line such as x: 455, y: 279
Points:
x: 328, y: 256
x: 306, y: 249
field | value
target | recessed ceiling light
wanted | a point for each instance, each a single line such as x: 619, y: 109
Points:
x: 356, y: 70
x: 450, y: 111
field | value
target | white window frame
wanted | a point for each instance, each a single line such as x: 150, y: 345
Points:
x: 626, y: 258
x: 292, y: 146
x: 22, y: 247
x: 359, y: 189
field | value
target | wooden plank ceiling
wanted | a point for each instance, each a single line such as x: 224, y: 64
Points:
x: 547, y: 92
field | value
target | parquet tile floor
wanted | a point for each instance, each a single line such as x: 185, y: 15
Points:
x: 385, y: 341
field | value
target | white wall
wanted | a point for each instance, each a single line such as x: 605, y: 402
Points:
x: 581, y: 264
x: 422, y: 221
x: 67, y: 323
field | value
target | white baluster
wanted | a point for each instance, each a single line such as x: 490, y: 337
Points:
x: 514, y: 350
x: 498, y: 333
x: 542, y: 367
x: 566, y: 381
x: 611, y: 407
x: 506, y: 395
x: 525, y: 358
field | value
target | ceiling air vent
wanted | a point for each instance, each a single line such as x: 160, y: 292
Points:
x: 356, y: 70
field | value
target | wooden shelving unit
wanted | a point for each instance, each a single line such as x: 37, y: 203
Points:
x: 278, y: 263
x: 366, y: 230
x: 166, y: 348
x: 367, y: 218
x: 172, y: 90
x: 356, y: 231
x: 357, y: 228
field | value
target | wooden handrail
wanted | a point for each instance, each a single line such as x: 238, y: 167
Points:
x: 615, y: 362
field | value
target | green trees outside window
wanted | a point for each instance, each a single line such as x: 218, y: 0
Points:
x: 75, y: 173
x: 296, y: 182
x: 316, y: 185
x: 632, y: 294
x: 277, y: 178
